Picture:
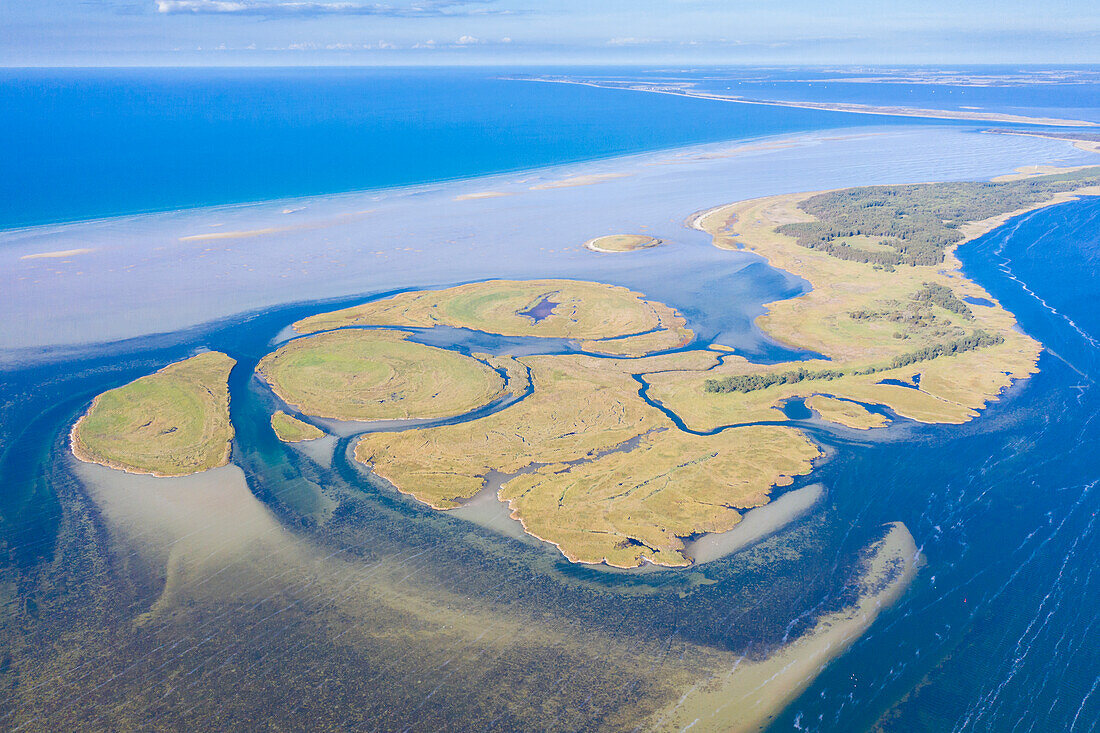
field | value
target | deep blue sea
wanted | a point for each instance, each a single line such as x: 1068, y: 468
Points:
x: 89, y: 143
x: 999, y: 631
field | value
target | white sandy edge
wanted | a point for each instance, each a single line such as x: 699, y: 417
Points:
x: 850, y: 107
x: 750, y: 694
x: 58, y: 254
x: 482, y: 195
x: 591, y: 245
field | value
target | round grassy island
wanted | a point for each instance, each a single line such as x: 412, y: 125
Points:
x: 621, y: 243
x: 290, y: 429
x: 174, y: 422
x: 374, y: 374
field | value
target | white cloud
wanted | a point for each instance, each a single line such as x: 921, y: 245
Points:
x: 468, y: 41
x: 339, y: 46
x: 424, y: 8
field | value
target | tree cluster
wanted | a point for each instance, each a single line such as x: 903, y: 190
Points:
x: 751, y: 382
x: 917, y: 221
x: 945, y: 298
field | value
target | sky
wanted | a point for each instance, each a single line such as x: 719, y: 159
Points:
x: 545, y: 32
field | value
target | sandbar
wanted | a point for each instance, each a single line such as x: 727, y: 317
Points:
x: 852, y: 108
x: 578, y: 181
x: 231, y: 235
x: 752, y: 692
x: 60, y: 254
x: 482, y: 195
x: 757, y: 524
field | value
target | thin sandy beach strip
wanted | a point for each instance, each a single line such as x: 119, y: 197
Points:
x: 482, y: 195
x: 851, y: 107
x: 1089, y: 146
x: 59, y: 254
x: 230, y: 235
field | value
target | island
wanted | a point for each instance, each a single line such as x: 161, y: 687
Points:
x: 290, y: 429
x: 617, y: 436
x: 606, y: 319
x: 603, y: 471
x: 173, y: 422
x: 611, y: 243
x: 377, y: 374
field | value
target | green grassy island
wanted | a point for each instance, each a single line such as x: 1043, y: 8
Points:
x: 290, y: 429
x: 174, y: 422
x: 375, y: 374
x: 598, y: 315
x: 607, y: 477
x: 594, y: 460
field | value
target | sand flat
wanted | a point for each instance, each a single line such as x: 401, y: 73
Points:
x: 588, y: 180
x: 59, y: 254
x: 482, y: 195
x: 231, y: 235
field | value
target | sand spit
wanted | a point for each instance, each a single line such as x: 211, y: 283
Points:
x: 579, y: 181
x: 1089, y: 146
x: 850, y: 107
x: 755, y: 525
x: 1031, y: 171
x: 59, y: 254
x: 751, y: 693
x: 230, y: 235
x: 482, y: 195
